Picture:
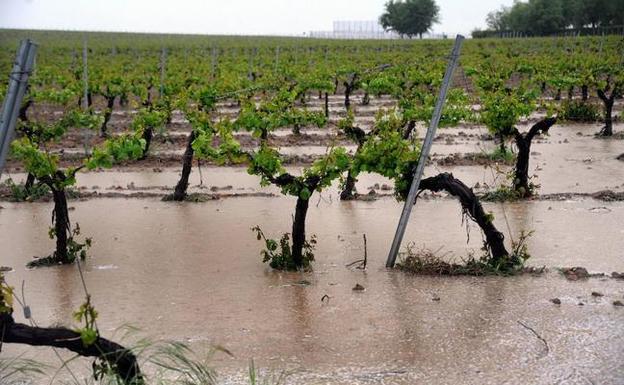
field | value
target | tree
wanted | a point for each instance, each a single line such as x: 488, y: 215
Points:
x: 498, y: 20
x: 410, y: 17
x: 544, y: 17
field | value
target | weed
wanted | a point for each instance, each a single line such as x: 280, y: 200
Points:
x: 279, y: 254
x: 254, y: 377
x: 19, y: 370
x: 426, y: 262
x: 19, y: 192
x: 505, y: 156
x: 506, y: 193
x: 580, y: 111
x: 75, y: 249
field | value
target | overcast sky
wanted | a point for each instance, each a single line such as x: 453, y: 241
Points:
x: 264, y: 17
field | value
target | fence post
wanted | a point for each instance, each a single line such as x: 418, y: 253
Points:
x: 250, y: 64
x: 213, y: 68
x: 424, y: 153
x: 85, y: 96
x: 18, y: 81
x: 85, y: 76
x: 163, y: 62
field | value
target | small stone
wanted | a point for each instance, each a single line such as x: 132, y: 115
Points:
x: 358, y: 287
x: 575, y: 273
x: 556, y: 301
x: 618, y: 303
x: 436, y: 299
x: 597, y: 294
x: 581, y: 304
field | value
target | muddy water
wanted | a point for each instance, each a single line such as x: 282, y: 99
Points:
x: 192, y: 272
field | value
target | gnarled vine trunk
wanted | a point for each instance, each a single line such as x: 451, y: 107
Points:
x: 411, y: 125
x: 608, y: 101
x: 148, y: 134
x: 348, y: 192
x: 179, y: 193
x: 298, y: 231
x: 110, y: 103
x: 523, y: 142
x: 349, y: 86
x: 120, y: 359
x: 61, y: 225
x: 366, y: 99
x: 359, y: 136
x: 584, y: 92
x: 30, y: 182
x: 471, y: 206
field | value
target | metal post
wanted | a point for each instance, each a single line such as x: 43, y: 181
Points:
x: 163, y: 60
x: 424, y: 153
x: 85, y: 97
x: 18, y: 80
x: 213, y: 65
x: 250, y: 65
x: 85, y: 76
x: 213, y: 68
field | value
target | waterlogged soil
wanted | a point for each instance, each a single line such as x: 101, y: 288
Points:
x: 191, y: 272
x: 569, y: 161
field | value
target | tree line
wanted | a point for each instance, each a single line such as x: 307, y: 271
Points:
x: 546, y: 17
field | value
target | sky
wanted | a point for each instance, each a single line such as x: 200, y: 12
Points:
x: 230, y: 17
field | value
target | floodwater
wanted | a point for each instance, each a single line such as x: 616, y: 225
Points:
x: 192, y: 272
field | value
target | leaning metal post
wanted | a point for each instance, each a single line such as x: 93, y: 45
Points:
x: 18, y: 81
x: 424, y: 153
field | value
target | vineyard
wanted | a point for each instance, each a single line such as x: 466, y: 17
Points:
x: 242, y: 193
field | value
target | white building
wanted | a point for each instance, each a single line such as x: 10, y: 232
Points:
x: 360, y: 29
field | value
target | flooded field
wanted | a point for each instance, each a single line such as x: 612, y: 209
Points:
x: 192, y: 272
